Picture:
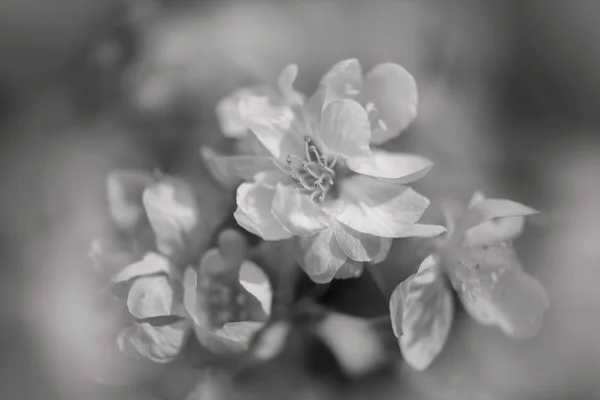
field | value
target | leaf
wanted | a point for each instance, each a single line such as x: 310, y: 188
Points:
x: 151, y: 264
x: 160, y: 344
x: 353, y: 342
x: 124, y: 191
x: 173, y: 213
x: 428, y: 311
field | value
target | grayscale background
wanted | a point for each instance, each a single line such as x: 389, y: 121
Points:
x: 509, y: 103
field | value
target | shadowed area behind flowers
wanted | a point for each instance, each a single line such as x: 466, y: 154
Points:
x: 57, y: 155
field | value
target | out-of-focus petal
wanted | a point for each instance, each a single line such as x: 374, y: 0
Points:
x: 496, y: 291
x: 343, y: 80
x: 383, y: 209
x: 124, y: 191
x: 271, y: 124
x: 397, y: 167
x: 350, y: 269
x: 150, y: 296
x: 174, y: 215
x: 230, y: 171
x: 285, y: 82
x: 428, y: 311
x: 151, y: 264
x: 344, y: 129
x: 228, y: 113
x: 297, y: 213
x: 160, y: 344
x: 254, y: 212
x: 384, y: 250
x: 354, y: 343
x: 393, y: 92
x: 255, y: 281
x: 320, y: 255
x: 495, y: 231
x: 356, y: 245
x: 488, y: 209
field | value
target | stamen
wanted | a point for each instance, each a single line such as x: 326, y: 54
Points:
x: 370, y: 107
x: 333, y: 162
x: 306, y: 148
x: 306, y: 168
x: 291, y: 157
x: 281, y: 168
x: 315, y: 151
x: 382, y: 125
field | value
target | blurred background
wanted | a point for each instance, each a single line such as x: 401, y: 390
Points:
x: 509, y: 104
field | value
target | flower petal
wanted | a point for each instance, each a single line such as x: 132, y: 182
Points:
x: 150, y: 296
x: 495, y: 231
x: 341, y: 333
x: 383, y: 209
x: 488, y: 209
x: 398, y: 167
x: 255, y: 281
x: 174, y: 215
x: 285, y: 82
x: 254, y: 212
x: 320, y: 255
x: 516, y: 305
x: 228, y: 113
x: 297, y: 213
x: 393, y: 91
x: 230, y: 171
x: 343, y: 80
x: 496, y: 291
x: 350, y: 269
x: 124, y: 191
x: 344, y: 129
x: 151, y: 264
x: 356, y: 245
x: 160, y: 344
x: 428, y: 311
x: 271, y: 125
x: 384, y: 250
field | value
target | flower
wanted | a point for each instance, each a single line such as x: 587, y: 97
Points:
x: 228, y: 297
x: 319, y: 179
x: 477, y: 260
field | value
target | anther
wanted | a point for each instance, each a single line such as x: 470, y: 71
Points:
x: 307, y: 139
x: 288, y: 158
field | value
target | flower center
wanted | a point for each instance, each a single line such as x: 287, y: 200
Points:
x: 314, y: 174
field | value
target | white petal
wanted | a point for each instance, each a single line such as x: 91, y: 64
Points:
x: 320, y: 255
x: 383, y: 209
x: 345, y: 129
x: 254, y: 212
x: 398, y: 167
x: 297, y: 213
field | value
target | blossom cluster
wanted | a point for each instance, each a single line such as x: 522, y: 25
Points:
x: 310, y: 175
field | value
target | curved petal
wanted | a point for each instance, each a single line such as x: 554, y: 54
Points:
x: 320, y: 255
x: 426, y: 317
x: 356, y: 245
x: 230, y: 171
x: 151, y: 264
x: 343, y: 80
x: 397, y: 167
x: 150, y: 296
x: 496, y: 291
x: 157, y: 343
x: 296, y: 212
x: 516, y: 305
x: 254, y: 212
x: 383, y: 209
x: 384, y: 250
x: 228, y: 113
x: 350, y: 269
x: 495, y: 231
x: 124, y: 190
x: 345, y: 130
x: 174, y: 215
x: 271, y: 125
x: 488, y: 209
x: 255, y: 281
x: 393, y: 92
x: 285, y: 82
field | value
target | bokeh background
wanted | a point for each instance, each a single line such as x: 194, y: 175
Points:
x: 509, y: 103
